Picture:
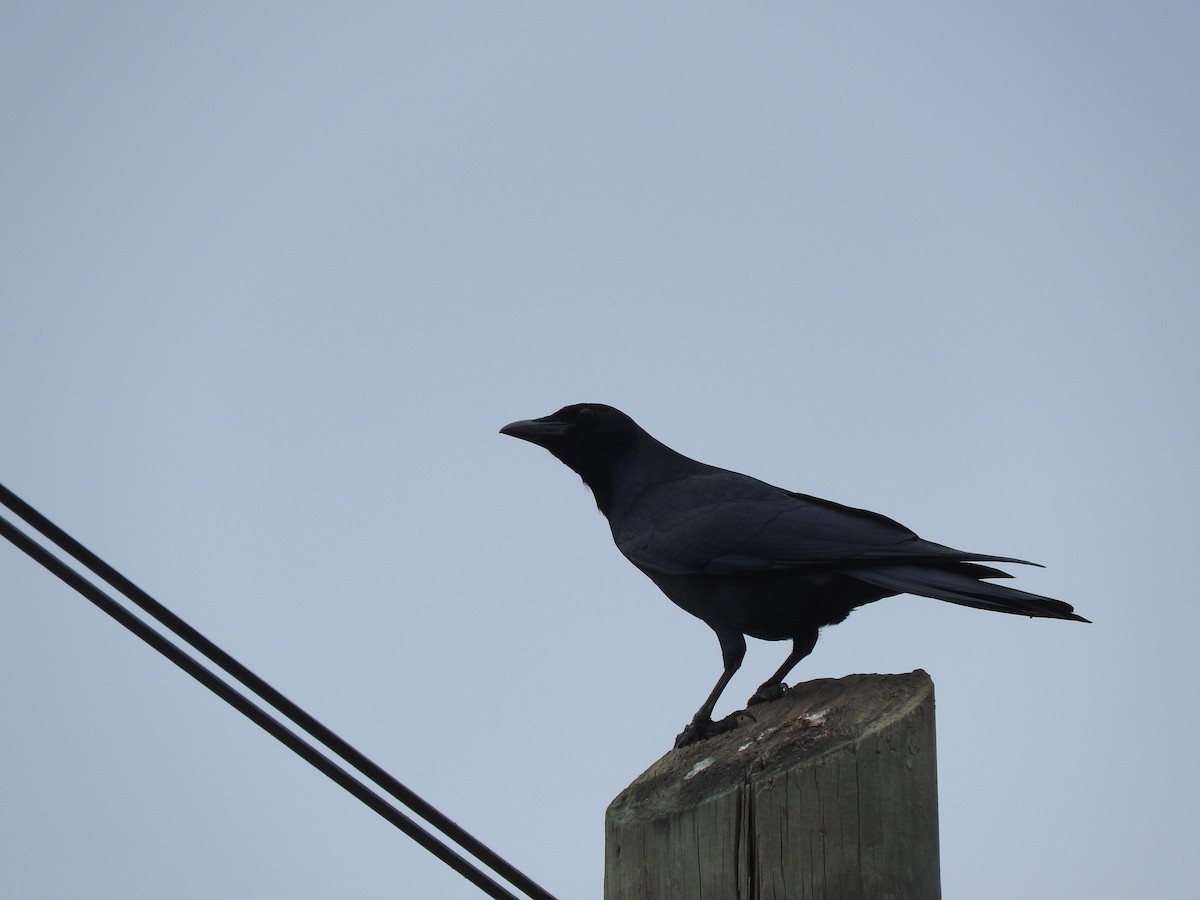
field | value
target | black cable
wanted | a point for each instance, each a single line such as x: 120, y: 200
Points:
x: 108, y: 605
x: 285, y: 706
x: 264, y: 690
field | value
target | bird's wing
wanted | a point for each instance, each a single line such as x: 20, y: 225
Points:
x: 723, y: 523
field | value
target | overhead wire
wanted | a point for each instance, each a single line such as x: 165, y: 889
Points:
x: 269, y: 695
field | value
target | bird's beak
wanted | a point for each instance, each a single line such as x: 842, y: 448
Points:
x: 536, y: 431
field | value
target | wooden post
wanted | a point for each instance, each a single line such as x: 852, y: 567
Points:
x: 830, y: 795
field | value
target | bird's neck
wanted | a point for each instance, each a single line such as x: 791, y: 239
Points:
x: 617, y: 484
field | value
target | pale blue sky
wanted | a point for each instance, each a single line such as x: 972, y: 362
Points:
x: 274, y: 275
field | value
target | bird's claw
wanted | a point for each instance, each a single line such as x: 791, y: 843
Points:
x: 699, y: 729
x: 767, y: 693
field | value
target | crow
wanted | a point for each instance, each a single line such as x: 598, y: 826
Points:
x: 751, y: 559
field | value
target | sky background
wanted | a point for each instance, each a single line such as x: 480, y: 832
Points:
x: 273, y: 275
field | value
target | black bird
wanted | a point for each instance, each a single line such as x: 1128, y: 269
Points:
x: 751, y: 559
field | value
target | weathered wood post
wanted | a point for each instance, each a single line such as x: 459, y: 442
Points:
x: 830, y: 795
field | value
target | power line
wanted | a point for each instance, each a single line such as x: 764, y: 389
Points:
x: 271, y: 696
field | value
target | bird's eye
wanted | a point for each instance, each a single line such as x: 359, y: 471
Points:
x: 586, y: 414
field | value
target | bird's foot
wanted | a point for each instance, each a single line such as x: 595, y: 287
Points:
x: 700, y: 728
x: 767, y: 693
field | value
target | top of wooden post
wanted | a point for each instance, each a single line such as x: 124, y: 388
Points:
x: 813, y: 719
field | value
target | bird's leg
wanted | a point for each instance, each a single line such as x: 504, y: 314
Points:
x: 733, y: 650
x: 774, y: 688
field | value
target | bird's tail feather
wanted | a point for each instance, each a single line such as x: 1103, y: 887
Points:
x: 961, y: 585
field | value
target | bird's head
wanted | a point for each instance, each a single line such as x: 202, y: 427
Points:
x: 590, y: 438
x: 579, y: 432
